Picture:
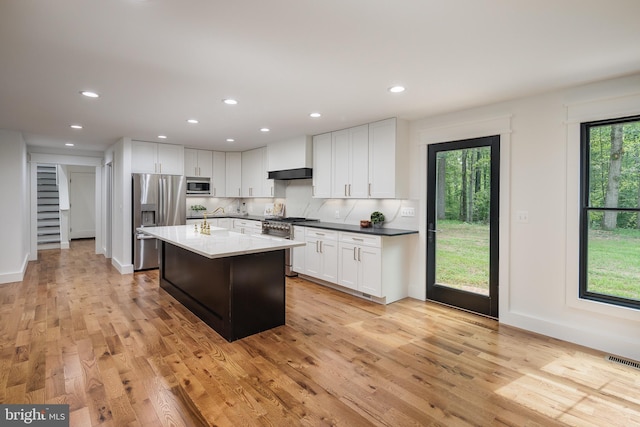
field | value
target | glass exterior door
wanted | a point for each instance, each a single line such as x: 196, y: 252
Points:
x: 462, y: 221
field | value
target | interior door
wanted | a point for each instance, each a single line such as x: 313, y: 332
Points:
x: 82, y: 213
x: 462, y: 224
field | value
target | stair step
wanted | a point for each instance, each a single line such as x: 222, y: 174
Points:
x: 54, y: 222
x: 49, y: 215
x: 48, y: 239
x: 48, y: 208
x: 48, y: 231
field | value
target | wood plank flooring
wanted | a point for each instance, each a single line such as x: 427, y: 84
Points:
x: 122, y: 352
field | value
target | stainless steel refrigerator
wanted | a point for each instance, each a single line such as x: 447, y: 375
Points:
x: 158, y: 200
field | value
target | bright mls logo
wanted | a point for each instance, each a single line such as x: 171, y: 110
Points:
x: 36, y: 415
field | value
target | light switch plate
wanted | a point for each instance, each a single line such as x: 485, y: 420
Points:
x: 408, y: 212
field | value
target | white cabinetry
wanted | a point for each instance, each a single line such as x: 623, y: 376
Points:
x: 322, y: 166
x: 350, y: 157
x: 359, y: 263
x: 321, y: 254
x: 151, y: 157
x: 219, y: 177
x: 388, y: 159
x: 198, y: 163
x: 252, y: 170
x: 233, y: 166
x: 247, y: 226
x: 298, y: 252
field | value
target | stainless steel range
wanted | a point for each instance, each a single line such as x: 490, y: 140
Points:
x: 283, y: 227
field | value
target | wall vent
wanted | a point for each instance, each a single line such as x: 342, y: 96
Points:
x: 622, y: 361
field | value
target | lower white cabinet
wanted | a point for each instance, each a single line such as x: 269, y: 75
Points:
x: 359, y: 263
x: 373, y: 267
x: 298, y: 264
x: 247, y: 226
x: 321, y: 254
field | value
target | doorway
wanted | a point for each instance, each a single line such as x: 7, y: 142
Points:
x: 462, y: 224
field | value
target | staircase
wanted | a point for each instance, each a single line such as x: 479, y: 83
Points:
x: 48, y: 207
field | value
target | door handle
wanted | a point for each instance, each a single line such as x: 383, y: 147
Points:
x: 355, y: 258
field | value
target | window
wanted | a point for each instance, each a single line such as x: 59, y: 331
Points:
x: 610, y: 212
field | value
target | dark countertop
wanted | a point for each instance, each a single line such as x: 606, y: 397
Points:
x: 356, y: 228
x: 389, y: 232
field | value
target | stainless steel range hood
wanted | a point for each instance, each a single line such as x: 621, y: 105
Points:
x: 299, y: 173
x: 290, y: 159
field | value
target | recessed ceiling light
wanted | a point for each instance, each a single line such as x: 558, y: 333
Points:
x: 192, y: 121
x: 230, y: 101
x: 90, y: 94
x: 265, y: 130
x: 315, y: 115
x: 75, y: 127
x: 231, y: 140
x: 69, y: 144
x: 396, y: 89
x: 162, y: 136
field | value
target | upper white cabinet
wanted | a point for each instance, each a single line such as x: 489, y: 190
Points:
x: 252, y: 173
x: 388, y: 159
x: 198, y: 163
x: 233, y: 166
x: 219, y: 175
x: 151, y: 157
x: 349, y: 160
x: 322, y: 166
x: 368, y: 161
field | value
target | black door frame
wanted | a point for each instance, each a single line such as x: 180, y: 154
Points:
x: 481, y: 304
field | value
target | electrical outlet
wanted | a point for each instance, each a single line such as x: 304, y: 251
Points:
x: 408, y: 212
x: 337, y: 215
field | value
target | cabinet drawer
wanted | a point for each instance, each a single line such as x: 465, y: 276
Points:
x: 246, y: 223
x: 322, y: 233
x: 361, y: 239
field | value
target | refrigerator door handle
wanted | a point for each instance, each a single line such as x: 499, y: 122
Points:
x: 162, y: 220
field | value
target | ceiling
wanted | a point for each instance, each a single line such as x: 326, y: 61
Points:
x: 157, y: 63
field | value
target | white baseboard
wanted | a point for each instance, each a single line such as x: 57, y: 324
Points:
x: 604, y: 342
x: 17, y: 276
x: 122, y: 268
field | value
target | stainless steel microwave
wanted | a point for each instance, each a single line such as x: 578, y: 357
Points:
x: 198, y: 186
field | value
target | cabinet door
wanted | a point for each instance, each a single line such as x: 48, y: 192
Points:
x: 348, y: 265
x: 382, y: 159
x: 234, y: 174
x: 322, y: 168
x: 252, y: 173
x: 171, y: 159
x: 340, y: 164
x: 298, y: 252
x: 205, y: 163
x: 144, y: 157
x: 359, y: 162
x: 218, y: 174
x: 329, y: 255
x: 370, y: 260
x: 268, y: 185
x: 312, y: 259
x: 190, y: 162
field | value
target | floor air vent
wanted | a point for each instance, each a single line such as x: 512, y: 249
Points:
x: 622, y: 361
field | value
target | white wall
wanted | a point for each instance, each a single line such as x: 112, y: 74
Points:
x: 120, y: 155
x: 14, y: 215
x: 539, y: 272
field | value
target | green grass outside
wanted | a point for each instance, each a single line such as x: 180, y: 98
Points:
x: 614, y: 263
x: 462, y: 255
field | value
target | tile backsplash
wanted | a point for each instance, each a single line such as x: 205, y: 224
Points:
x: 299, y: 202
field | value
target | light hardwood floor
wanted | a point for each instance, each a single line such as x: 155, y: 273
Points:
x: 122, y: 352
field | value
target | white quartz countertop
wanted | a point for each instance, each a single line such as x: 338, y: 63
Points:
x: 220, y: 243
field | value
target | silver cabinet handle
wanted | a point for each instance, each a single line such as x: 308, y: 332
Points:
x: 355, y: 258
x: 357, y: 239
x: 321, y: 246
x: 359, y: 254
x: 369, y: 191
x: 345, y: 190
x: 349, y: 189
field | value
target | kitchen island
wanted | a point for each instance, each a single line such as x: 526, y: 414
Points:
x: 234, y: 282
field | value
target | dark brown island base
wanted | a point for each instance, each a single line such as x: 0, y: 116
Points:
x: 237, y: 296
x: 234, y: 282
